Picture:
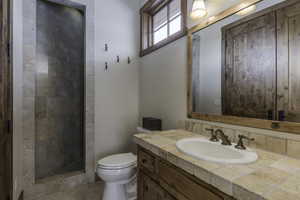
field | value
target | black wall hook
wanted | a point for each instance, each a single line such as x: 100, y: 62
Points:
x: 106, y: 66
x: 128, y: 60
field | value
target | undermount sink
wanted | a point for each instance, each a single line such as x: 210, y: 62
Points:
x: 204, y: 149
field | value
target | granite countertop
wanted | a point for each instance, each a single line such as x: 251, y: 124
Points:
x: 271, y: 177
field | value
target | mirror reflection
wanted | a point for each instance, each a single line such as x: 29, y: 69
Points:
x: 249, y: 66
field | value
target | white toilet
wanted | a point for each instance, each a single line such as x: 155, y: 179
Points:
x: 117, y: 171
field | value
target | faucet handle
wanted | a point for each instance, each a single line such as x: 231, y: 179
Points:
x: 213, y: 137
x: 225, y: 139
x: 240, y: 145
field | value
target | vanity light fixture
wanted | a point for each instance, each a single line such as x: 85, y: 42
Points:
x: 246, y: 9
x: 198, y: 9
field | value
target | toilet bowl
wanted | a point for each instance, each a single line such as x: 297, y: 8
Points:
x: 117, y: 171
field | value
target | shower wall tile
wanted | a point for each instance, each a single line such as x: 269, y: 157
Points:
x: 28, y: 165
x: 43, y: 125
x: 29, y: 34
x: 41, y: 108
x: 90, y: 99
x: 28, y: 143
x: 90, y: 109
x: 29, y: 57
x: 28, y: 117
x: 90, y: 85
x: 28, y: 10
x: 90, y: 71
x: 89, y: 159
x: 29, y: 84
x: 42, y: 86
x: 28, y: 98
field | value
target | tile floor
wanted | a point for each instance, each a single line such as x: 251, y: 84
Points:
x: 83, y: 192
x: 87, y: 192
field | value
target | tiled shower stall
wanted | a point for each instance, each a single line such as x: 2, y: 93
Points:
x: 58, y: 95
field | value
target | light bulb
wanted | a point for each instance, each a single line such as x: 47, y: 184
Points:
x: 198, y: 9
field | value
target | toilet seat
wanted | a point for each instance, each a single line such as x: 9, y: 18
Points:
x: 107, y: 169
x: 118, y: 161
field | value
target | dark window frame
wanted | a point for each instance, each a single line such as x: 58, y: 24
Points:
x: 147, y: 13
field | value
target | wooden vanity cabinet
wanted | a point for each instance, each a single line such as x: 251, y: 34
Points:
x: 150, y: 190
x: 160, y: 180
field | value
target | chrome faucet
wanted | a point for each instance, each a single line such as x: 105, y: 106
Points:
x: 225, y: 139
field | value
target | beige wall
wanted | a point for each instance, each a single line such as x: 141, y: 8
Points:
x: 117, y: 93
x: 163, y: 84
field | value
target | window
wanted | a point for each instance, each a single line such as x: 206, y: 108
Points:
x: 162, y: 23
x: 167, y: 21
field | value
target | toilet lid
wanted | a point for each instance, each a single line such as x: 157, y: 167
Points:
x: 118, y: 161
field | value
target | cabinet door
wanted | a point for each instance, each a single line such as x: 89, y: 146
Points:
x: 149, y: 190
x: 249, y: 68
x: 288, y: 40
x: 182, y: 184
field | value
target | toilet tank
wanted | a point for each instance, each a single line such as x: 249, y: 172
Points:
x: 152, y: 124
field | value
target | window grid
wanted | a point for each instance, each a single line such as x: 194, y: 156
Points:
x: 172, y: 20
x: 167, y: 23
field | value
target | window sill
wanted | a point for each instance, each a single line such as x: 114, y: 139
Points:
x: 163, y: 43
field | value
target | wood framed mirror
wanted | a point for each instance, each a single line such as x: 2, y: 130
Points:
x: 244, y: 67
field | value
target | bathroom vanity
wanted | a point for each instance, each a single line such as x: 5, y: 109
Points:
x: 160, y: 180
x: 166, y: 173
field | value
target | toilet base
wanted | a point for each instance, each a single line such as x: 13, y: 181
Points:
x: 114, y: 191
